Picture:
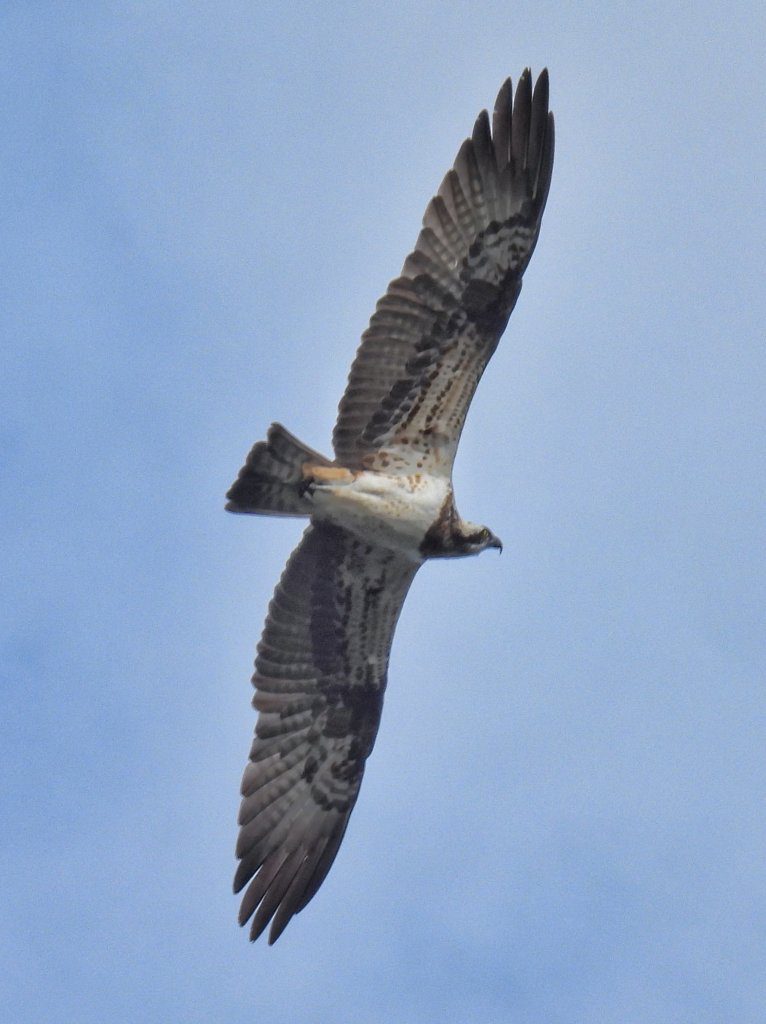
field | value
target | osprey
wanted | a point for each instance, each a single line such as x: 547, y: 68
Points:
x: 381, y: 507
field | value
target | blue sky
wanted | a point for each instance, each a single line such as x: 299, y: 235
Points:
x: 563, y: 819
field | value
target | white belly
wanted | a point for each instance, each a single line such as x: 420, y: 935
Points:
x: 395, y: 511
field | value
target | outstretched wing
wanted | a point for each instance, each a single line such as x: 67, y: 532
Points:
x: 319, y: 677
x: 435, y: 329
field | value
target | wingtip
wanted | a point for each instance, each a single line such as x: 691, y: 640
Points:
x: 276, y: 930
x: 523, y: 86
x: 542, y: 89
x: 481, y: 128
x: 503, y: 93
x: 258, y: 926
x: 241, y: 877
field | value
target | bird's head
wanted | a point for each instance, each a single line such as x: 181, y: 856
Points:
x: 471, y: 539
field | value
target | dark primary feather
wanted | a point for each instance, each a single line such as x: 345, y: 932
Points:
x: 320, y: 677
x: 438, y: 324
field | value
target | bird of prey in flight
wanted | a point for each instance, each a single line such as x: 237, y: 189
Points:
x: 381, y: 507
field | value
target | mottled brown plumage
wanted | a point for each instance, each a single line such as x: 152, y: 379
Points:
x: 435, y: 329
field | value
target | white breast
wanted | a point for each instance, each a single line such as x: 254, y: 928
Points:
x: 395, y: 511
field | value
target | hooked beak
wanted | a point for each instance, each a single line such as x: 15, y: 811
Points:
x: 496, y: 543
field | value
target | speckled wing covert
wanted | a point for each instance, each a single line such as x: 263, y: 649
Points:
x: 320, y: 675
x: 435, y: 329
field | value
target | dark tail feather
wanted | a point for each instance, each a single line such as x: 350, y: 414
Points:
x: 271, y: 479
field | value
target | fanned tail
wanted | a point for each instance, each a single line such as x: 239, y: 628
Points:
x: 271, y: 481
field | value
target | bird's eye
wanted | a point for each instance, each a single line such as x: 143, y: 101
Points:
x: 480, y: 537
